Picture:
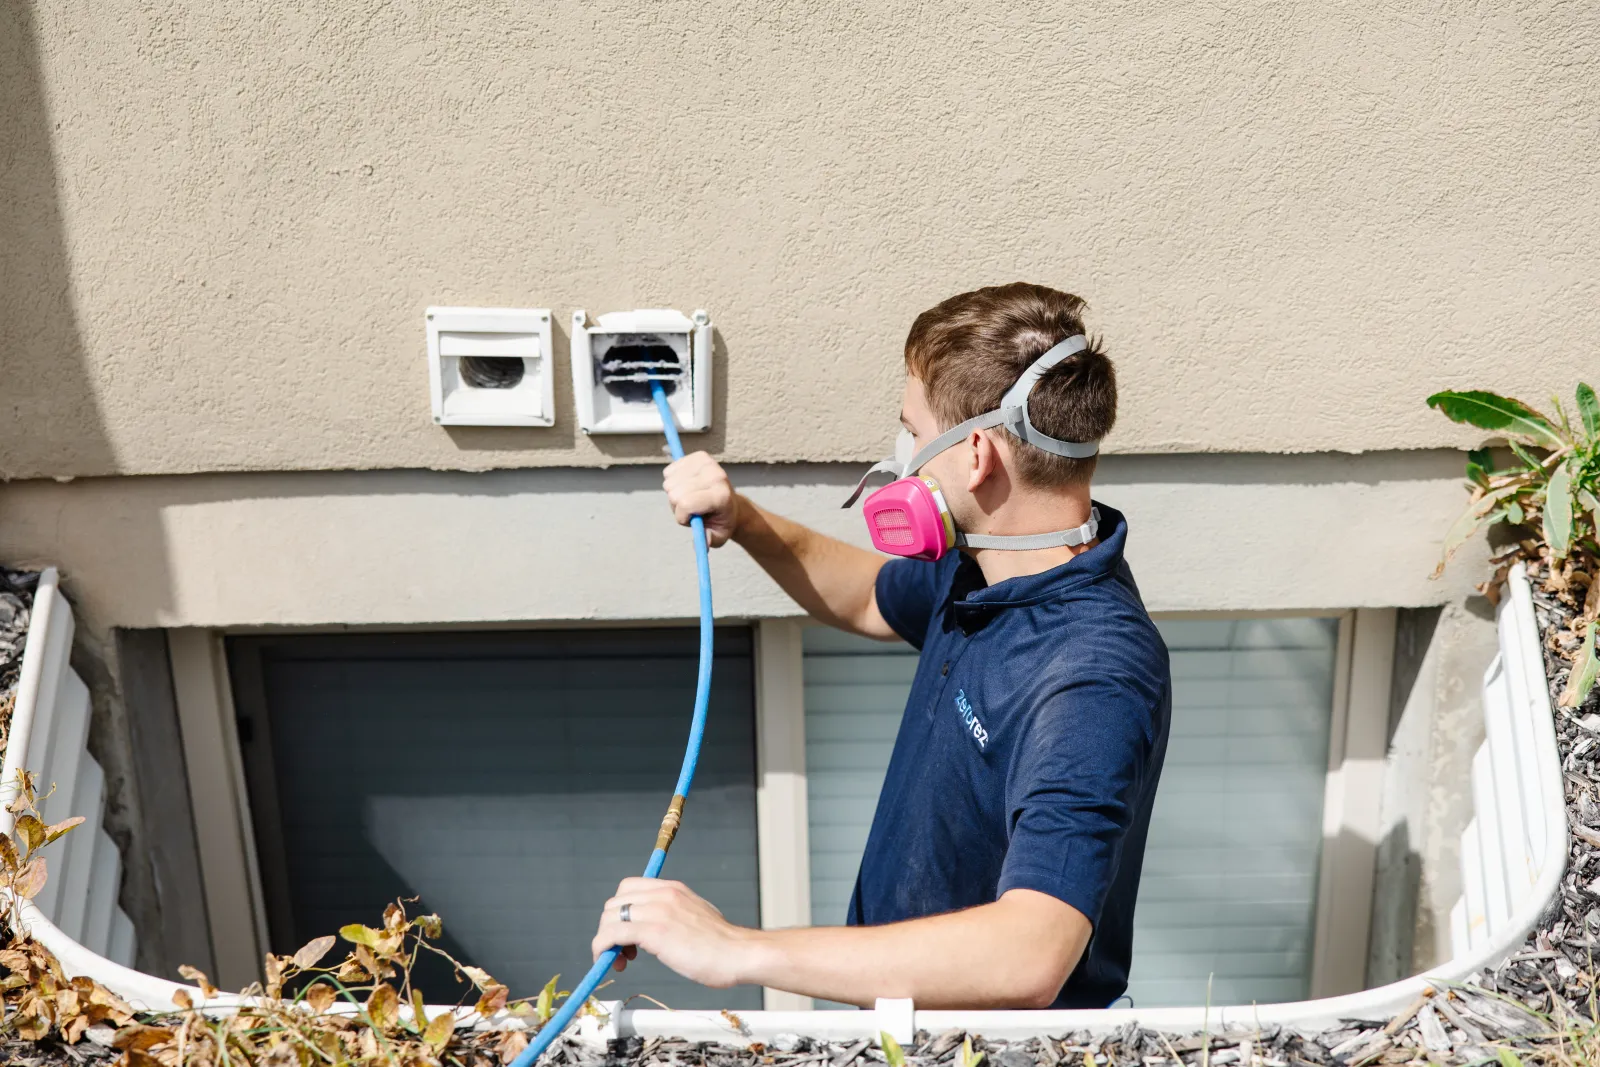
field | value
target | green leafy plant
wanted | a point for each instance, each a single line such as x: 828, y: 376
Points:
x: 1550, y: 493
x: 1553, y: 485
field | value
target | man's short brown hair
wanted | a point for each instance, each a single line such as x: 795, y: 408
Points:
x: 968, y: 350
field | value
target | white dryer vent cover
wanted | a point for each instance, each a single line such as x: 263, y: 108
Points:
x: 615, y: 360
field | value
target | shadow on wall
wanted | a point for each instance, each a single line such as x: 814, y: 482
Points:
x: 47, y: 391
x: 49, y: 408
x: 1401, y: 921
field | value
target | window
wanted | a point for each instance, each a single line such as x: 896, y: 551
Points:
x: 855, y: 690
x: 509, y: 780
x: 1230, y: 875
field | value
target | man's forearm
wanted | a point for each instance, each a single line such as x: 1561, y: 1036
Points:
x: 833, y: 581
x: 1014, y: 953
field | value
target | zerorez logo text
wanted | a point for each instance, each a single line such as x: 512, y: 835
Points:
x: 970, y: 719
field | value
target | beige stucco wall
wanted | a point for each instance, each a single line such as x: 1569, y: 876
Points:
x: 220, y: 222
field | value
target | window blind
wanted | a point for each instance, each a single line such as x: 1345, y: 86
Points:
x: 1229, y: 884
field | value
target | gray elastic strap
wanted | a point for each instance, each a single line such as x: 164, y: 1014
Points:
x: 1078, y: 535
x: 1015, y: 404
x: 1013, y: 415
x: 887, y: 466
x: 950, y: 438
x: 945, y: 440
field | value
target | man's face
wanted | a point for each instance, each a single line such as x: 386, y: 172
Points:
x: 951, y: 468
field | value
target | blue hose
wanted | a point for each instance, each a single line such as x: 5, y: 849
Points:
x: 691, y: 756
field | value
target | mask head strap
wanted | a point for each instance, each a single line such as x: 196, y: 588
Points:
x: 1014, y: 405
x: 1012, y: 414
x: 1078, y: 535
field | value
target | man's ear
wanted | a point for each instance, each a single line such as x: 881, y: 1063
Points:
x: 985, y: 460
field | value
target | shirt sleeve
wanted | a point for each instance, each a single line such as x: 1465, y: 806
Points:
x: 1075, y: 789
x: 908, y: 591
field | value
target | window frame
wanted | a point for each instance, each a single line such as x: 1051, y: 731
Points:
x: 230, y: 862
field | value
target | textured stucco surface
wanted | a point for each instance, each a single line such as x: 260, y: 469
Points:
x: 219, y: 224
x: 1244, y: 533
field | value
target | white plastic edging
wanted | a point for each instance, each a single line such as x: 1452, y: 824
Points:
x: 1524, y: 798
x: 49, y: 736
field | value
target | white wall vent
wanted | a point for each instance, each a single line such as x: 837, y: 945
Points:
x: 490, y: 366
x: 615, y: 360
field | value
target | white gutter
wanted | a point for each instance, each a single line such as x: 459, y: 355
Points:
x: 1530, y: 776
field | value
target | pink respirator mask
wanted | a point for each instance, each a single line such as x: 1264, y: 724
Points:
x: 909, y: 516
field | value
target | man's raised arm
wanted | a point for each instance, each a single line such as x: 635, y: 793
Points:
x: 835, y: 582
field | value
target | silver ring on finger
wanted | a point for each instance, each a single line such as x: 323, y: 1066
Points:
x: 626, y: 913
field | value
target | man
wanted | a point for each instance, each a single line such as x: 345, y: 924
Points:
x: 1004, y: 857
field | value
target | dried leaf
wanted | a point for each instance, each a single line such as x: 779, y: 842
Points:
x: 139, y: 1036
x: 493, y: 999
x: 432, y: 926
x: 383, y: 1006
x: 183, y: 1000
x: 439, y: 1029
x: 30, y: 1027
x: 374, y: 966
x: 32, y: 877
x: 198, y: 977
x: 394, y: 918
x: 511, y: 1045
x: 479, y: 976
x: 55, y: 830
x: 1476, y: 514
x: 274, y: 969
x: 30, y: 831
x: 114, y: 1005
x: 311, y: 952
x: 8, y: 853
x: 321, y: 997
x: 351, y: 971
x: 73, y: 1031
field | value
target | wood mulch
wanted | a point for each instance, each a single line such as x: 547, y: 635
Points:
x: 15, y: 1052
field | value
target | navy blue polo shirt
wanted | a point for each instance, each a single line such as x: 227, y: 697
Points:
x: 1029, y: 750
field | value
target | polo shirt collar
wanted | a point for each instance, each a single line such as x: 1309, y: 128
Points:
x: 974, y: 603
